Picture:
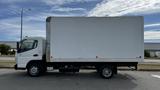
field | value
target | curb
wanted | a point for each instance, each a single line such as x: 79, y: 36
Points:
x: 149, y: 67
x: 7, y: 64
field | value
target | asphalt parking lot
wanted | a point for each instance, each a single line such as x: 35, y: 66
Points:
x: 85, y: 80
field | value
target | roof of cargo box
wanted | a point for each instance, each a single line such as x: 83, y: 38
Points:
x: 48, y: 19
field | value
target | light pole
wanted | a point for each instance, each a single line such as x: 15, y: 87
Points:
x: 22, y: 22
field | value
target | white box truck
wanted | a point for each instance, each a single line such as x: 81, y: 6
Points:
x: 72, y: 43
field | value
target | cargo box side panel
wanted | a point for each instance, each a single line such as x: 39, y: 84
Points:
x: 96, y: 39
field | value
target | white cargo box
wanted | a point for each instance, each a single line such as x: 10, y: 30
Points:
x: 95, y: 39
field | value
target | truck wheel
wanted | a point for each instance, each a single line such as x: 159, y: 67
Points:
x: 106, y: 72
x: 34, y: 70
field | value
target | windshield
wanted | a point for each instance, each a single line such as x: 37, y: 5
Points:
x: 28, y: 45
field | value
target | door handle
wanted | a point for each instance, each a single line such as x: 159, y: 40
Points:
x: 35, y: 55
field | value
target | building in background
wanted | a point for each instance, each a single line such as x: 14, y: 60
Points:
x: 152, y: 49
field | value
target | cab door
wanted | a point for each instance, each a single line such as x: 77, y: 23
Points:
x: 29, y: 50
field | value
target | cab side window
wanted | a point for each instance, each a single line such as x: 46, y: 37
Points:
x: 28, y: 45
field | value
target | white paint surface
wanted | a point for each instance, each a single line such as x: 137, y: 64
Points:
x: 156, y: 76
x: 96, y: 38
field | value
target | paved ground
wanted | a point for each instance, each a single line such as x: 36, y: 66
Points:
x: 85, y: 80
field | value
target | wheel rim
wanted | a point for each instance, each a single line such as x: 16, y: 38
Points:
x: 34, y: 70
x: 107, y: 72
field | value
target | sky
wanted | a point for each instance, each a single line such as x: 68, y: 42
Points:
x: 36, y: 12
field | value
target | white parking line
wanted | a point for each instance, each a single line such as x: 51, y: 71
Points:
x: 156, y: 76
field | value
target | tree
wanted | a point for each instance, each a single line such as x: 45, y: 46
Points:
x: 12, y: 52
x: 4, y: 49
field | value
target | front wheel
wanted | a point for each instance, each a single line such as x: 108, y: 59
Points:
x: 34, y: 70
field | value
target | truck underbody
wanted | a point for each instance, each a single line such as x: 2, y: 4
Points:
x: 36, y: 68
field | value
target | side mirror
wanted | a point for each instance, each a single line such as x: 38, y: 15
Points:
x: 18, y: 47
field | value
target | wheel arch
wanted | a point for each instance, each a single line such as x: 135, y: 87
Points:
x: 33, y: 61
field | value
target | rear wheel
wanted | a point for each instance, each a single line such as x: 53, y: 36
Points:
x: 106, y: 72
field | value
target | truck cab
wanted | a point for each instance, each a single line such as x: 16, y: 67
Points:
x: 28, y: 50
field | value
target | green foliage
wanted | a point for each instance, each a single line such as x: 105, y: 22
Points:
x: 4, y: 49
x: 12, y: 52
x: 146, y: 53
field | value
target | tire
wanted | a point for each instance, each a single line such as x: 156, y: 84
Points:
x: 34, y: 69
x: 106, y: 72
